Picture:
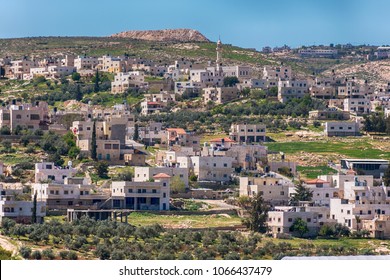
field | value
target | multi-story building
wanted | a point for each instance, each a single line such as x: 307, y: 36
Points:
x: 178, y: 136
x: 323, y: 92
x: 25, y: 115
x: 277, y: 72
x: 328, y: 53
x: 85, y: 63
x: 289, y: 89
x: 274, y: 189
x: 125, y: 81
x: 152, y: 133
x: 248, y: 133
x: 19, y: 210
x: 19, y: 68
x: 74, y: 193
x: 47, y: 171
x: 142, y: 174
x: 340, y: 129
x: 374, y: 167
x: 213, y: 169
x: 220, y: 95
x: 111, y: 64
x: 142, y: 195
x: 282, y: 218
x: 330, y: 113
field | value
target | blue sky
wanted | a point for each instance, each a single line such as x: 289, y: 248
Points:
x: 245, y: 23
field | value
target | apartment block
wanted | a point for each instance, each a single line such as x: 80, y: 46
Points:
x: 341, y: 129
x: 248, y: 133
x: 142, y: 195
x: 220, y: 95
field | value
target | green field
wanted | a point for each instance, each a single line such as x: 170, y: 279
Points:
x: 312, y: 172
x: 353, y: 149
x: 184, y: 221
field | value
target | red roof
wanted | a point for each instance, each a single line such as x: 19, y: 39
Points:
x: 226, y: 139
x: 177, y: 130
x: 315, y: 181
x: 153, y: 103
x: 161, y: 176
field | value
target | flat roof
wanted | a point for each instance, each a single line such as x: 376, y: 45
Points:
x: 365, y: 160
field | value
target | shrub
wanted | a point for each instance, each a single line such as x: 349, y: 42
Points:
x: 25, y: 252
x: 48, y: 254
x: 36, y: 255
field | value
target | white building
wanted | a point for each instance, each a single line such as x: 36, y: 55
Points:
x: 142, y: 195
x: 125, y: 81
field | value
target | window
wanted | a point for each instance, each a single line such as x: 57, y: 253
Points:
x: 282, y: 193
x: 130, y: 190
x: 143, y: 190
x: 66, y: 192
x: 290, y: 220
x: 164, y: 195
x: 154, y: 191
x: 308, y: 220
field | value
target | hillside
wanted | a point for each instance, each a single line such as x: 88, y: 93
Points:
x: 165, y: 35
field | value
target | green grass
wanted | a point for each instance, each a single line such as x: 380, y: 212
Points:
x: 312, y: 172
x: 16, y: 158
x: 183, y: 221
x: 359, y: 244
x: 354, y: 149
x: 5, y: 255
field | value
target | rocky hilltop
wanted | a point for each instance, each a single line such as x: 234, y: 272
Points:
x: 165, y: 35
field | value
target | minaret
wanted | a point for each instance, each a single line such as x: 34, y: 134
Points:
x: 219, y: 52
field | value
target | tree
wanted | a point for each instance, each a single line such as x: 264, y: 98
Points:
x: 301, y: 194
x: 2, y: 72
x: 97, y: 81
x: 7, y: 146
x: 326, y: 231
x: 299, y: 226
x: 230, y: 81
x: 74, y: 152
x: 56, y: 158
x: 79, y: 94
x: 5, y: 130
x: 76, y: 76
x: 25, y: 252
x: 257, y: 211
x: 177, y: 185
x: 136, y: 132
x: 341, y: 230
x: 93, y: 142
x: 101, y: 168
x: 386, y: 177
x: 34, y: 209
x: 126, y: 175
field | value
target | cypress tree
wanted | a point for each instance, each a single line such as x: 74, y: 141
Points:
x: 136, y: 133
x: 34, y: 209
x: 97, y: 80
x: 93, y: 142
